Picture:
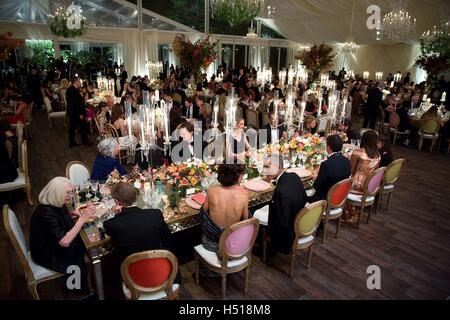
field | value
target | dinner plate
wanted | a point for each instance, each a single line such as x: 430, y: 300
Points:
x: 193, y: 204
x: 302, y: 173
x: 256, y: 185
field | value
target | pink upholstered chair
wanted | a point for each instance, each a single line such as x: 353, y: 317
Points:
x: 235, y: 252
x: 371, y: 189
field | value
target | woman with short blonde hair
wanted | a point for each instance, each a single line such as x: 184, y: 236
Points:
x: 55, y: 242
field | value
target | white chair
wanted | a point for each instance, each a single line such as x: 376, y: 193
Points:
x: 23, y: 180
x: 62, y: 94
x: 252, y: 119
x: 53, y: 115
x: 28, y: 121
x: 78, y: 173
x: 34, y: 273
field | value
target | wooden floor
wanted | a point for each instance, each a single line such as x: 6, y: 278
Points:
x: 410, y: 242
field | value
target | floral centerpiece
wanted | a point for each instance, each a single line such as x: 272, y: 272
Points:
x: 197, y: 55
x: 311, y: 144
x: 316, y: 59
x: 189, y: 173
x: 136, y: 177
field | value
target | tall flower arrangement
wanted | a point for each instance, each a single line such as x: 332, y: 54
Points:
x: 197, y: 55
x: 316, y: 59
x: 7, y: 44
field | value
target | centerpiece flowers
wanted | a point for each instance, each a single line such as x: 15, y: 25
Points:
x: 197, y: 55
x: 189, y: 173
x: 311, y: 144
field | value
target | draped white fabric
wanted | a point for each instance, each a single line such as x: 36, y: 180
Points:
x: 329, y: 20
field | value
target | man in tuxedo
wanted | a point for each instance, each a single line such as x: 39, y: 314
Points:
x: 190, y: 110
x: 274, y: 131
x: 288, y: 199
x: 76, y: 113
x: 123, y: 78
x: 333, y: 170
x: 133, y: 229
x: 371, y: 109
x: 190, y: 145
x: 169, y: 102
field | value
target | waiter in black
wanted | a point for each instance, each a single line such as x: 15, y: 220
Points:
x: 76, y: 113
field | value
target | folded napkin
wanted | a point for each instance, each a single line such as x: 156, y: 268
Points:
x: 199, y: 198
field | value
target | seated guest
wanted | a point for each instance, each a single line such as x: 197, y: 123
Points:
x: 190, y: 110
x: 133, y: 229
x: 310, y: 124
x: 348, y: 129
x: 55, y: 242
x: 274, y: 131
x: 225, y: 204
x: 288, y: 199
x: 8, y: 171
x: 103, y: 117
x: 336, y: 168
x: 118, y: 121
x: 149, y: 230
x: 106, y: 161
x: 363, y: 162
x: 11, y: 142
x: 238, y: 142
x: 189, y: 146
x: 21, y: 105
x: 385, y: 151
x: 205, y: 115
x: 311, y: 108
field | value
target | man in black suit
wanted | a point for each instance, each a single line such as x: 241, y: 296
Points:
x: 333, y: 170
x: 190, y: 144
x: 274, y: 132
x: 76, y: 113
x: 190, y: 110
x: 169, y: 102
x: 123, y: 78
x: 133, y: 229
x: 371, y: 109
x: 288, y: 199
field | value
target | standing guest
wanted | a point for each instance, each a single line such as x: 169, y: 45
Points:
x: 385, y: 151
x: 373, y: 103
x: 106, y: 161
x: 336, y: 168
x: 34, y: 87
x: 288, y: 199
x: 224, y: 205
x: 123, y: 78
x: 76, y: 113
x: 55, y: 241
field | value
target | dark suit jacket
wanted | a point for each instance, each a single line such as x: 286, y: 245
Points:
x: 195, y: 111
x: 135, y: 230
x: 75, y: 103
x: 281, y: 129
x: 288, y: 199
x: 333, y: 170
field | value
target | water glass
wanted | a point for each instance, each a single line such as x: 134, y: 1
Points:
x: 94, y: 186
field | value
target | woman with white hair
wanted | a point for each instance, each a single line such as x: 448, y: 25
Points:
x: 55, y: 242
x: 106, y: 161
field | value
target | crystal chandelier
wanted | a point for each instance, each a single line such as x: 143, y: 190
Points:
x: 236, y: 11
x: 398, y: 23
x: 251, y: 35
x: 350, y: 47
x: 436, y: 33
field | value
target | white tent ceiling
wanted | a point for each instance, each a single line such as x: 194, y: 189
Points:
x: 308, y: 21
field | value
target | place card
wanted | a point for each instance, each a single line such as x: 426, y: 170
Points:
x: 190, y: 191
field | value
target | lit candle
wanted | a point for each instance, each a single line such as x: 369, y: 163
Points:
x: 343, y: 108
x: 320, y: 104
x: 129, y: 127
x: 302, y: 111
x: 216, y: 111
x: 424, y: 97
x: 166, y: 125
x: 157, y: 95
x: 142, y: 125
x: 444, y: 95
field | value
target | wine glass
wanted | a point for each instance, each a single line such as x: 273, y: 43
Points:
x: 94, y: 186
x: 87, y: 186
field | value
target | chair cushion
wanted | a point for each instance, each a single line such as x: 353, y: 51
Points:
x: 358, y: 197
x: 334, y: 212
x: 212, y: 259
x: 18, y: 183
x: 388, y: 187
x: 58, y: 114
x: 305, y: 240
x: 149, y: 296
x: 39, y: 272
x: 429, y: 135
x: 262, y: 215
